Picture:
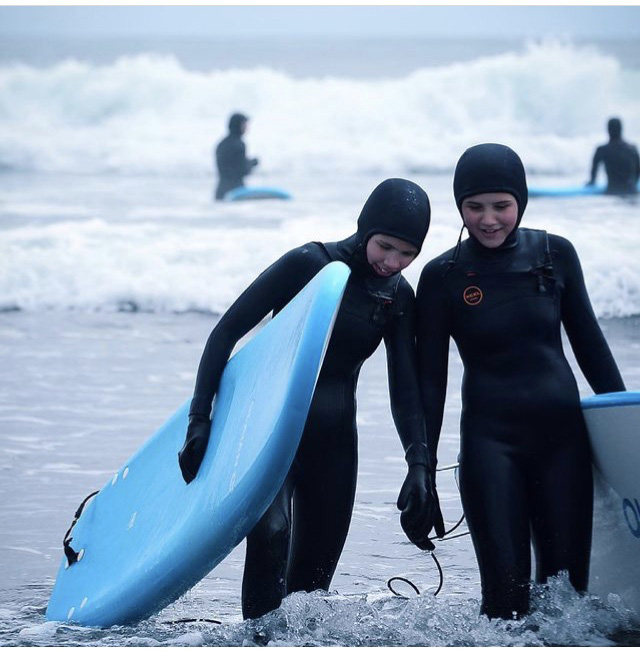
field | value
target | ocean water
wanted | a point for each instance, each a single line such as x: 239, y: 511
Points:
x: 115, y: 264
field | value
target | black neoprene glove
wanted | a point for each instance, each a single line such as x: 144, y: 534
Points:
x: 418, y: 500
x: 195, y: 446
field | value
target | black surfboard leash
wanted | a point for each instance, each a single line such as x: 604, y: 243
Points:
x: 180, y: 621
x: 71, y: 555
x: 446, y: 537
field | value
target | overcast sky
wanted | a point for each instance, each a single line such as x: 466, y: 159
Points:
x: 353, y: 20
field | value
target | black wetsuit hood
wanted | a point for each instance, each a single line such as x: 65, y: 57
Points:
x: 491, y: 167
x: 614, y: 127
x: 396, y: 207
x: 235, y: 123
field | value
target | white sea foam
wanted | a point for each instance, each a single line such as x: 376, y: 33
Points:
x: 203, y: 264
x: 147, y: 114
x: 107, y: 183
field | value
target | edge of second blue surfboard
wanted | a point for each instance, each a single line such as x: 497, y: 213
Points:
x: 611, y: 399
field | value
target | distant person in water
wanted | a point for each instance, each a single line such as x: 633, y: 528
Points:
x: 621, y: 162
x: 231, y: 158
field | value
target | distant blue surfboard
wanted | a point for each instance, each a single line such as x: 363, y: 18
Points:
x: 148, y: 537
x: 567, y: 191
x: 256, y: 192
x: 613, y: 425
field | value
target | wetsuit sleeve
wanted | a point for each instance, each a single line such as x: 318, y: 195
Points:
x: 404, y: 393
x: 270, y: 292
x: 433, y: 333
x: 636, y: 158
x: 581, y: 324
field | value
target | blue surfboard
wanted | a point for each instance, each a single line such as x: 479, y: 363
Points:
x: 567, y: 191
x: 147, y: 537
x: 613, y: 425
x: 256, y: 192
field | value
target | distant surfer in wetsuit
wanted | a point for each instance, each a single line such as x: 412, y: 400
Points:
x: 502, y: 295
x: 231, y: 158
x: 297, y: 543
x: 621, y: 162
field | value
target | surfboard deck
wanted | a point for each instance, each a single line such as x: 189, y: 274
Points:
x: 613, y: 424
x: 256, y: 192
x: 148, y: 537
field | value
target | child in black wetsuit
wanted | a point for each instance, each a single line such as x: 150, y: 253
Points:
x: 503, y: 295
x: 297, y: 543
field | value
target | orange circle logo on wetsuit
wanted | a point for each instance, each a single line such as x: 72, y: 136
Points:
x: 472, y: 295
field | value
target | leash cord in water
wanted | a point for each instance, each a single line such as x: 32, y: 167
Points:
x: 446, y: 537
x: 435, y: 559
x: 192, y: 620
x: 412, y: 585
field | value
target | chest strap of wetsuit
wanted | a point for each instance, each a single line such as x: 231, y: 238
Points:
x: 456, y: 252
x: 544, y: 263
x: 541, y: 265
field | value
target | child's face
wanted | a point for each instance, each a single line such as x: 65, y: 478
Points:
x: 388, y: 255
x: 490, y: 217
